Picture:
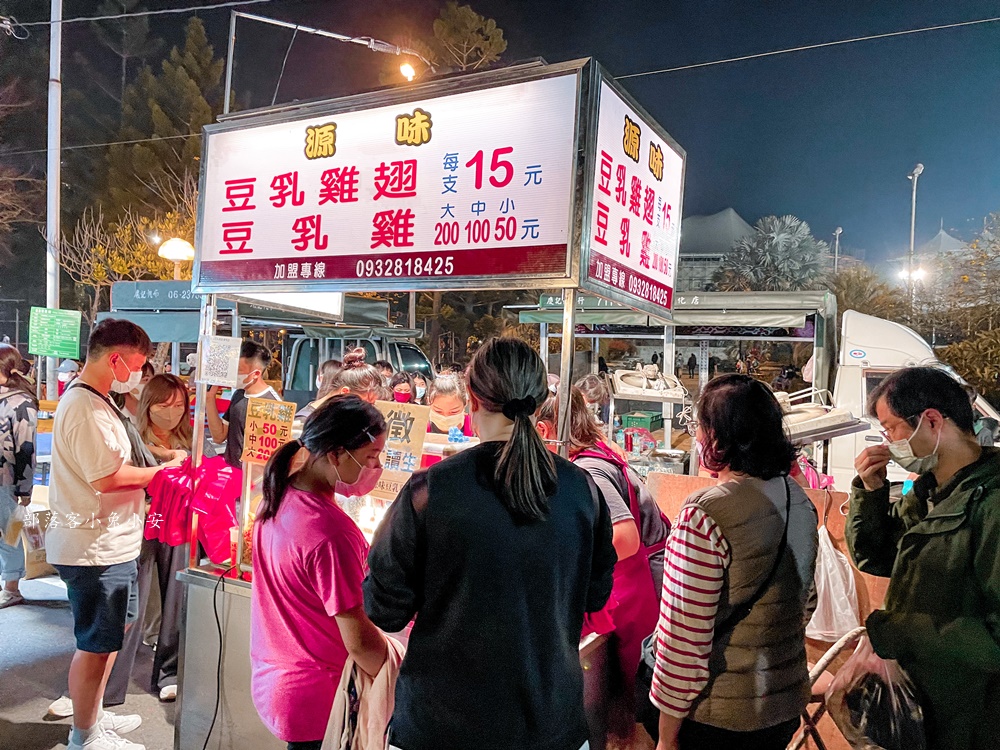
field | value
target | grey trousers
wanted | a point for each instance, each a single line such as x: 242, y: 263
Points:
x: 164, y: 562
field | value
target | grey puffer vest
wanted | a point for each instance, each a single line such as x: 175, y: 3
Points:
x: 758, y: 675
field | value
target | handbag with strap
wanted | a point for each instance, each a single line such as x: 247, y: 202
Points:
x: 646, y: 713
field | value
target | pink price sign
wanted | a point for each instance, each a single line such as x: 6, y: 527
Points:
x: 476, y: 185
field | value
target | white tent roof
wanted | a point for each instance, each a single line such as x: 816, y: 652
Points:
x: 941, y: 243
x: 712, y: 235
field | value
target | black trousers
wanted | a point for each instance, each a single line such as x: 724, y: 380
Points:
x: 695, y: 736
x: 316, y: 745
x: 163, y: 561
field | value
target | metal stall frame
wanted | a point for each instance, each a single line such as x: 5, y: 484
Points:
x: 589, y: 77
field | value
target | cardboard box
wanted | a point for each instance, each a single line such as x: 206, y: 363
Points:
x: 650, y: 420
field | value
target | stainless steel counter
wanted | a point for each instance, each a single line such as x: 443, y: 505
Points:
x: 238, y: 726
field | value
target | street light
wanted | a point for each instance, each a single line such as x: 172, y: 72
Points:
x: 917, y: 171
x: 836, y: 247
x: 408, y: 72
x: 177, y: 251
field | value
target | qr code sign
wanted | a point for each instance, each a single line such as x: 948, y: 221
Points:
x: 220, y: 359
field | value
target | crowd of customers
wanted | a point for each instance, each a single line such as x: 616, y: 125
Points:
x: 493, y: 564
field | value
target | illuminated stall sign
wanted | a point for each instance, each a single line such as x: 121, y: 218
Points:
x: 474, y: 186
x: 268, y: 427
x: 635, y: 209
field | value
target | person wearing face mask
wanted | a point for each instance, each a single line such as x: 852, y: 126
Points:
x: 597, y: 396
x: 419, y: 388
x: 940, y: 547
x: 129, y: 402
x: 447, y: 399
x: 228, y: 428
x: 164, y: 424
x: 402, y: 388
x: 306, y: 610
x: 353, y: 375
x: 93, y: 540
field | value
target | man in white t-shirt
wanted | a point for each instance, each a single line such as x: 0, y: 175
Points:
x: 96, y: 497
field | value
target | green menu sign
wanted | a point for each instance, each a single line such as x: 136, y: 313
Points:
x: 54, y: 333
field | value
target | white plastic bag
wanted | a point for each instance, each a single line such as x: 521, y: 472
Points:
x: 874, y: 703
x: 836, y: 612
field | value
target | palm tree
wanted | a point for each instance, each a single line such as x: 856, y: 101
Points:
x: 860, y: 288
x: 781, y: 255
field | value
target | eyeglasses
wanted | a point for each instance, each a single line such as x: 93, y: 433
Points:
x: 884, y: 431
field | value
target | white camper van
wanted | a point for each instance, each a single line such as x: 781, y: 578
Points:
x: 871, y: 348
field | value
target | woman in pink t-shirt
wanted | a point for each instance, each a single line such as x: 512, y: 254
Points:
x: 309, y: 561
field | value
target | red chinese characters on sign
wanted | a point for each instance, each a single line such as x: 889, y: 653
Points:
x: 397, y: 179
x: 309, y: 231
x: 239, y: 193
x: 624, y: 245
x: 601, y: 235
x: 236, y: 236
x: 644, y: 249
x: 635, y: 197
x: 649, y: 206
x: 340, y: 185
x: 604, y: 185
x: 285, y: 187
x: 392, y: 229
x: 620, y: 191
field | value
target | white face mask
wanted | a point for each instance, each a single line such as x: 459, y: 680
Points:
x: 421, y: 390
x: 902, y: 453
x: 445, y: 423
x: 124, y: 386
x: 319, y: 383
x: 245, y: 381
x: 137, y: 391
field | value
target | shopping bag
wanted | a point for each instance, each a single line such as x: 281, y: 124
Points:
x: 836, y: 612
x: 15, y: 523
x: 874, y: 703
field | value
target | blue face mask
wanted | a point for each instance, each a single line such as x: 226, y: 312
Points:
x: 421, y: 391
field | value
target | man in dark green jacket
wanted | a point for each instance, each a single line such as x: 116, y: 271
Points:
x: 940, y: 544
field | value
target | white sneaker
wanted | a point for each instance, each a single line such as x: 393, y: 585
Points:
x: 10, y: 598
x: 168, y: 694
x: 112, y: 722
x: 61, y: 708
x: 106, y: 740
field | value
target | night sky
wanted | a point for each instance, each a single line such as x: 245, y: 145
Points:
x: 828, y: 135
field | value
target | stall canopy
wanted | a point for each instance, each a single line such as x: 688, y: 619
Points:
x: 168, y: 311
x: 744, y: 309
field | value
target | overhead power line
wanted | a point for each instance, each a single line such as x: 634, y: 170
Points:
x: 164, y: 11
x: 805, y: 47
x: 629, y: 75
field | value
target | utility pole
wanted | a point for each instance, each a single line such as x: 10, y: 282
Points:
x: 836, y: 247
x: 53, y: 180
x: 917, y: 171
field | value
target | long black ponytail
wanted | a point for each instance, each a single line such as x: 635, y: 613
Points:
x: 506, y: 375
x: 344, y: 422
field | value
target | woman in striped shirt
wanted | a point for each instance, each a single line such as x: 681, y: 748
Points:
x: 730, y: 655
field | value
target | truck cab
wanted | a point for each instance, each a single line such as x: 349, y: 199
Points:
x: 870, y: 349
x: 307, y: 353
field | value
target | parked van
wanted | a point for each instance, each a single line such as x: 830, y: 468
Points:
x: 870, y: 349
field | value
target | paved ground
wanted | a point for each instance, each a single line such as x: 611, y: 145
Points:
x: 36, y: 644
